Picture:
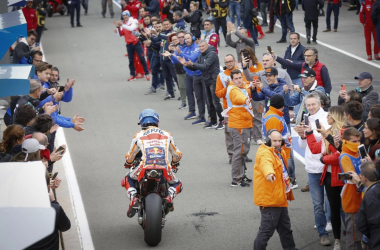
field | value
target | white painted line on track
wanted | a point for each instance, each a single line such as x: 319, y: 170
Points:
x: 75, y: 196
x: 335, y: 48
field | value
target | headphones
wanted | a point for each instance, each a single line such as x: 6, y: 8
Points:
x: 192, y: 36
x: 267, y: 140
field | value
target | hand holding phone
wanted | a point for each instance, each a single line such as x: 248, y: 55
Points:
x: 343, y: 87
x: 61, y: 150
x: 362, y: 151
x: 344, y: 176
x: 306, y: 120
x: 317, y: 124
x: 269, y: 48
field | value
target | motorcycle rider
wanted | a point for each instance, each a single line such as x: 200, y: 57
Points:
x: 154, y: 145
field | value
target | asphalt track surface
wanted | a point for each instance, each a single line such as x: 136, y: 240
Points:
x: 209, y: 214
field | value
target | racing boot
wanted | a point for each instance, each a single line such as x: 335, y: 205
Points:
x: 133, y: 205
x: 168, y: 200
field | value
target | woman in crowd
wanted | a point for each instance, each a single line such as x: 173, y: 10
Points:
x: 372, y: 136
x: 374, y: 112
x: 257, y: 107
x: 194, y: 18
x: 13, y: 136
x: 331, y: 169
x: 30, y: 151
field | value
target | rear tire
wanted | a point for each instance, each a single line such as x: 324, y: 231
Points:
x: 153, y: 219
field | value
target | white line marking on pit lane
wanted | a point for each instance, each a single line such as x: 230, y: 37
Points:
x: 83, y: 229
x: 337, y: 49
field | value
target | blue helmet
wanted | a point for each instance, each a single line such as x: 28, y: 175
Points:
x: 148, y: 116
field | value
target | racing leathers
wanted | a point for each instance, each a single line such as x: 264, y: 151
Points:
x: 154, y: 145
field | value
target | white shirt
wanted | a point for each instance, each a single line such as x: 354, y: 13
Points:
x: 293, y: 49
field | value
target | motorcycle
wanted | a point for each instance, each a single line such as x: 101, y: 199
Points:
x: 152, y: 188
x: 55, y: 6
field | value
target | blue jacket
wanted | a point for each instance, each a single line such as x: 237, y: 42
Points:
x: 179, y: 25
x: 297, y: 97
x: 267, y: 92
x: 297, y: 57
x: 191, y: 52
x: 153, y: 8
x: 62, y: 121
x: 163, y: 36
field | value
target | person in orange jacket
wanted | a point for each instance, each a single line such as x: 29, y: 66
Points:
x: 350, y: 161
x: 222, y: 82
x: 30, y: 15
x: 271, y: 191
x: 240, y: 123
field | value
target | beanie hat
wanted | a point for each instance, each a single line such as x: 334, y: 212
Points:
x: 277, y: 101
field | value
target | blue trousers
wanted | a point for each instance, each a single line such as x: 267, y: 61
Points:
x: 286, y: 22
x: 75, y: 6
x: 247, y: 23
x: 155, y: 68
x: 332, y: 8
x: 317, y: 193
x: 168, y: 72
x: 235, y: 10
x: 131, y: 49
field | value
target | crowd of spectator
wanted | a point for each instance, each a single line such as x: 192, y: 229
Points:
x: 257, y: 97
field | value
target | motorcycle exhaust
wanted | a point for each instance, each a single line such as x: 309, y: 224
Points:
x: 153, y: 174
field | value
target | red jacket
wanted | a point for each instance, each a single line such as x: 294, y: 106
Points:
x: 365, y: 13
x: 123, y: 31
x: 30, y: 17
x: 317, y: 68
x: 133, y: 8
x: 331, y: 159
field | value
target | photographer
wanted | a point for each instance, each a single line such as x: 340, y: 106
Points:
x: 368, y: 217
x: 331, y: 169
x: 175, y: 45
x: 194, y: 18
x: 350, y: 161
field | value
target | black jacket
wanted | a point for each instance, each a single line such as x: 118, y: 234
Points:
x: 195, y: 20
x: 369, y: 98
x: 375, y: 14
x: 21, y: 50
x: 208, y: 63
x: 26, y: 100
x: 169, y: 12
x: 62, y: 223
x: 246, y: 7
x: 297, y: 57
x: 284, y: 8
x: 368, y: 218
x: 311, y: 8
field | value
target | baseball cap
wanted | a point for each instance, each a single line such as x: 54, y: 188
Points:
x: 126, y: 13
x: 272, y: 71
x: 307, y: 73
x: 363, y: 75
x: 30, y: 146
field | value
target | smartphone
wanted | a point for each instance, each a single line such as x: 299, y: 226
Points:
x: 344, y: 176
x: 269, y: 48
x: 336, y: 132
x: 362, y: 151
x: 60, y: 150
x: 255, y: 79
x: 291, y: 87
x: 54, y: 176
x: 317, y: 124
x: 51, y: 98
x: 343, y: 87
x: 246, y: 54
x: 306, y: 119
x: 61, y: 88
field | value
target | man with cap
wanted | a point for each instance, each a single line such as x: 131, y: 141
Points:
x: 127, y: 29
x: 29, y: 147
x: 309, y: 85
x: 276, y: 87
x: 369, y: 95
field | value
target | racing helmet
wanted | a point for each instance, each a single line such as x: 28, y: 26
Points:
x: 148, y: 116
